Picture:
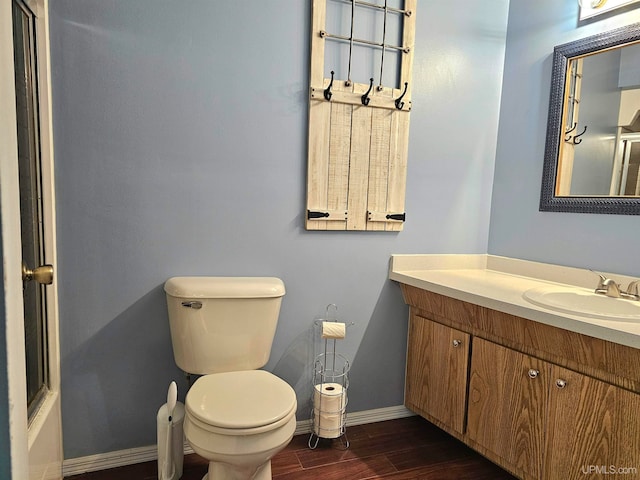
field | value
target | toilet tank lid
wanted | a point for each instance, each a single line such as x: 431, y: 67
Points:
x: 224, y: 287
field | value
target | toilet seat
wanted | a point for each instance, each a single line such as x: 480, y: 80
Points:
x: 243, y: 402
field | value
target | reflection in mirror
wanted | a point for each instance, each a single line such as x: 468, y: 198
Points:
x: 597, y: 154
x: 592, y: 155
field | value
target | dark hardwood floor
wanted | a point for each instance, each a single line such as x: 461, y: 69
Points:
x: 403, y: 449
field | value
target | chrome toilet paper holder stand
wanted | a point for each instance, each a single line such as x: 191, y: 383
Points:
x: 329, y: 367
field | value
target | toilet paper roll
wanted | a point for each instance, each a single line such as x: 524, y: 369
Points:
x: 327, y: 426
x: 329, y: 402
x: 329, y: 398
x: 334, y: 330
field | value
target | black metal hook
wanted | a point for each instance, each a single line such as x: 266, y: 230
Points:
x: 366, y: 98
x: 327, y: 91
x: 575, y: 137
x: 566, y: 139
x: 399, y: 102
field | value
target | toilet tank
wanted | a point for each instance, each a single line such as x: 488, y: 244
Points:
x: 222, y: 324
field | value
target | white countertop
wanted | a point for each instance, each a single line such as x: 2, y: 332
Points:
x: 498, y: 283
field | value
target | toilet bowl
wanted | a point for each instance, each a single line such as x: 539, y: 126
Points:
x: 239, y: 421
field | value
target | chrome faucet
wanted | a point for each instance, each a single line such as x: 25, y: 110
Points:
x: 608, y: 287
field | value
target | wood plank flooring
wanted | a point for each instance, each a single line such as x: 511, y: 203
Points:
x: 403, y: 449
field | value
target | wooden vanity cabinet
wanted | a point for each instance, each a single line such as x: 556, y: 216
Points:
x: 508, y: 394
x: 548, y: 422
x: 542, y: 402
x: 437, y: 365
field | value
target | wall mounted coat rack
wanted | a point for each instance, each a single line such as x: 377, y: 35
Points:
x: 359, y: 132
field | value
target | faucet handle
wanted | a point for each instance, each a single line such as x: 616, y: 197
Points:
x: 633, y: 288
x: 603, y: 280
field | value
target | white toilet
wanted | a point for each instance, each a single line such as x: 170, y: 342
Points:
x: 236, y: 416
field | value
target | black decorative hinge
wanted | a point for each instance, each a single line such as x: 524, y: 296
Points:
x: 385, y: 217
x: 327, y: 215
x: 311, y: 214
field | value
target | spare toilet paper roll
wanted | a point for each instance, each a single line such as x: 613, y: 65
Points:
x: 327, y: 426
x: 333, y: 330
x: 329, y: 398
x: 329, y: 402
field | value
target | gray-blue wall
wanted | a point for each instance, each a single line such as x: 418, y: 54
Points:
x: 180, y: 135
x: 518, y: 229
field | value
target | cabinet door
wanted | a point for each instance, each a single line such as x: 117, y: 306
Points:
x: 593, y: 429
x: 507, y: 405
x: 437, y: 365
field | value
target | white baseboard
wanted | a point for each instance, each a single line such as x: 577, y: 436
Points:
x: 360, y: 418
x: 120, y: 458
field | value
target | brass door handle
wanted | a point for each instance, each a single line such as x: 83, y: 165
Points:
x: 42, y: 274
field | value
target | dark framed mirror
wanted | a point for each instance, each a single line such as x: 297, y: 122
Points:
x: 592, y: 151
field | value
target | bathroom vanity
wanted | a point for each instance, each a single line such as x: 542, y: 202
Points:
x: 546, y: 394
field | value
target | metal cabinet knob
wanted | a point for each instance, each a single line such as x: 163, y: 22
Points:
x: 561, y: 383
x: 533, y: 373
x: 457, y: 343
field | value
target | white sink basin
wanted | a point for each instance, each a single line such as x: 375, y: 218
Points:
x: 584, y: 302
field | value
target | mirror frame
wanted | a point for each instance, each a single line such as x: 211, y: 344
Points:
x: 562, y: 54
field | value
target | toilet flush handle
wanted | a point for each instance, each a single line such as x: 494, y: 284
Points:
x: 192, y: 304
